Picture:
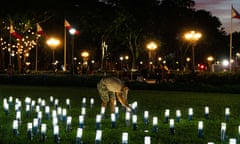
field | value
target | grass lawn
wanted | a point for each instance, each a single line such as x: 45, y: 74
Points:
x: 156, y: 102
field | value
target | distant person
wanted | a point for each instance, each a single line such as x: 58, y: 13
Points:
x: 111, y: 87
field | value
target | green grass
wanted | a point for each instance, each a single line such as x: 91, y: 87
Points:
x: 154, y: 101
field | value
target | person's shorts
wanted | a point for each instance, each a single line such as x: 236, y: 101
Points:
x: 104, y: 93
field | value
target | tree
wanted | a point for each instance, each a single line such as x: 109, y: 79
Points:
x: 127, y: 26
x: 133, y: 23
x: 25, y: 25
x: 176, y: 17
x: 130, y: 25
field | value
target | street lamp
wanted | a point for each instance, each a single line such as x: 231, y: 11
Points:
x: 85, y: 56
x: 53, y: 43
x: 126, y: 58
x: 193, y: 37
x: 237, y: 59
x: 210, y: 59
x: 72, y: 31
x: 188, y: 59
x: 121, y: 59
x: 152, y: 46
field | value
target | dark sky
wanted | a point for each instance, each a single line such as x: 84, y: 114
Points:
x: 222, y: 10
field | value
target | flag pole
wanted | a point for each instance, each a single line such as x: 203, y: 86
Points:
x: 102, y: 47
x: 65, y: 48
x: 36, y: 58
x: 230, y: 52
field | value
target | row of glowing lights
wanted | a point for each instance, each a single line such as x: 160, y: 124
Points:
x: 121, y: 58
x: 61, y: 114
x: 188, y: 59
x: 85, y: 54
x: 53, y: 42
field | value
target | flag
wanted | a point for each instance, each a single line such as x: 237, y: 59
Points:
x: 14, y: 33
x: 77, y: 32
x: 39, y: 29
x: 68, y: 26
x: 235, y: 13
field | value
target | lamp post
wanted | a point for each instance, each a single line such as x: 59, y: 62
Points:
x: 210, y: 59
x: 152, y: 46
x: 159, y: 60
x: 126, y: 58
x: 237, y: 59
x: 85, y: 56
x: 193, y: 37
x: 124, y: 64
x: 72, y: 31
x: 121, y: 59
x: 53, y: 43
x: 188, y: 59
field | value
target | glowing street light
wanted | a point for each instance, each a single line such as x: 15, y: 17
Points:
x: 225, y: 63
x: 53, y: 43
x: 85, y: 56
x: 188, y: 59
x: 72, y: 31
x: 121, y: 59
x: 152, y: 46
x: 193, y: 37
x: 210, y: 60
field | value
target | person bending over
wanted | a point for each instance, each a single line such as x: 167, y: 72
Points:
x: 111, y: 87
